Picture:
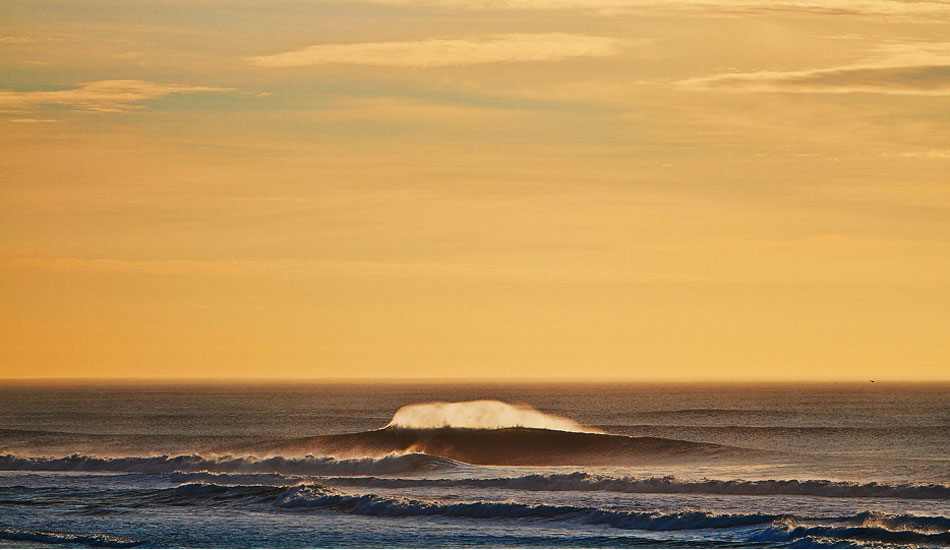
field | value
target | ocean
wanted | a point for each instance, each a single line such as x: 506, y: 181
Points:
x: 474, y: 465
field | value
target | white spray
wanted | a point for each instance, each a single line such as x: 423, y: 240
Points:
x: 484, y: 414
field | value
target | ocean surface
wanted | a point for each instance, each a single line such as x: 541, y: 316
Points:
x: 475, y: 465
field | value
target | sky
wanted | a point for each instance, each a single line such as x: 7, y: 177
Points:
x: 585, y: 189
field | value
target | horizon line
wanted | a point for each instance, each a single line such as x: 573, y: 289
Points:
x: 134, y: 380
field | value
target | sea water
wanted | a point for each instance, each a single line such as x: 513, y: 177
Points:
x: 540, y: 465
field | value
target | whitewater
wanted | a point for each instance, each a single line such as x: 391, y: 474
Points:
x: 560, y: 465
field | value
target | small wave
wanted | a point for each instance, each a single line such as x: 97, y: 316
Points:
x: 308, y: 465
x: 87, y: 540
x: 580, y: 481
x: 213, y: 494
x: 874, y: 535
x: 904, y: 522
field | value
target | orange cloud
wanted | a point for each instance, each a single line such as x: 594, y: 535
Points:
x: 442, y: 52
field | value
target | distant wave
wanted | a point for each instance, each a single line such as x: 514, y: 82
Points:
x: 312, y: 466
x: 580, y: 481
x: 82, y: 540
x: 510, y: 447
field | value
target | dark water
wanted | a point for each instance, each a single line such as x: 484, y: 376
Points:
x: 308, y: 465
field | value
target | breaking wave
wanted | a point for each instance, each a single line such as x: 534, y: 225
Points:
x: 580, y: 481
x: 308, y: 465
x: 496, y: 433
x: 475, y: 432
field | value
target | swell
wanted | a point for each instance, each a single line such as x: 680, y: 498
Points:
x: 512, y: 447
x: 580, y: 481
x: 308, y: 465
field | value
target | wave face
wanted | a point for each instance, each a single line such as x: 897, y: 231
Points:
x: 483, y: 415
x: 583, y: 482
x: 312, y: 466
x: 511, y: 447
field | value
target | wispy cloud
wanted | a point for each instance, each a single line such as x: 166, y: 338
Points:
x: 897, y: 69
x: 443, y: 52
x: 890, y: 8
x: 102, y: 96
x: 32, y: 120
x: 932, y: 154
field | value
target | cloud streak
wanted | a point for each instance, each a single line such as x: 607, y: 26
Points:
x: 897, y: 69
x: 445, y: 52
x: 890, y: 8
x: 99, y: 96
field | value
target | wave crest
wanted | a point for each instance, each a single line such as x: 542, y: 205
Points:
x: 482, y: 415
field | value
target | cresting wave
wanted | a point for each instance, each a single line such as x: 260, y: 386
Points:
x: 474, y: 432
x: 497, y: 433
x: 308, y: 466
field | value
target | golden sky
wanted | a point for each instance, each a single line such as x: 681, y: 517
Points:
x: 488, y: 188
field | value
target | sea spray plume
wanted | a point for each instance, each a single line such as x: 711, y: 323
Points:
x: 482, y: 414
